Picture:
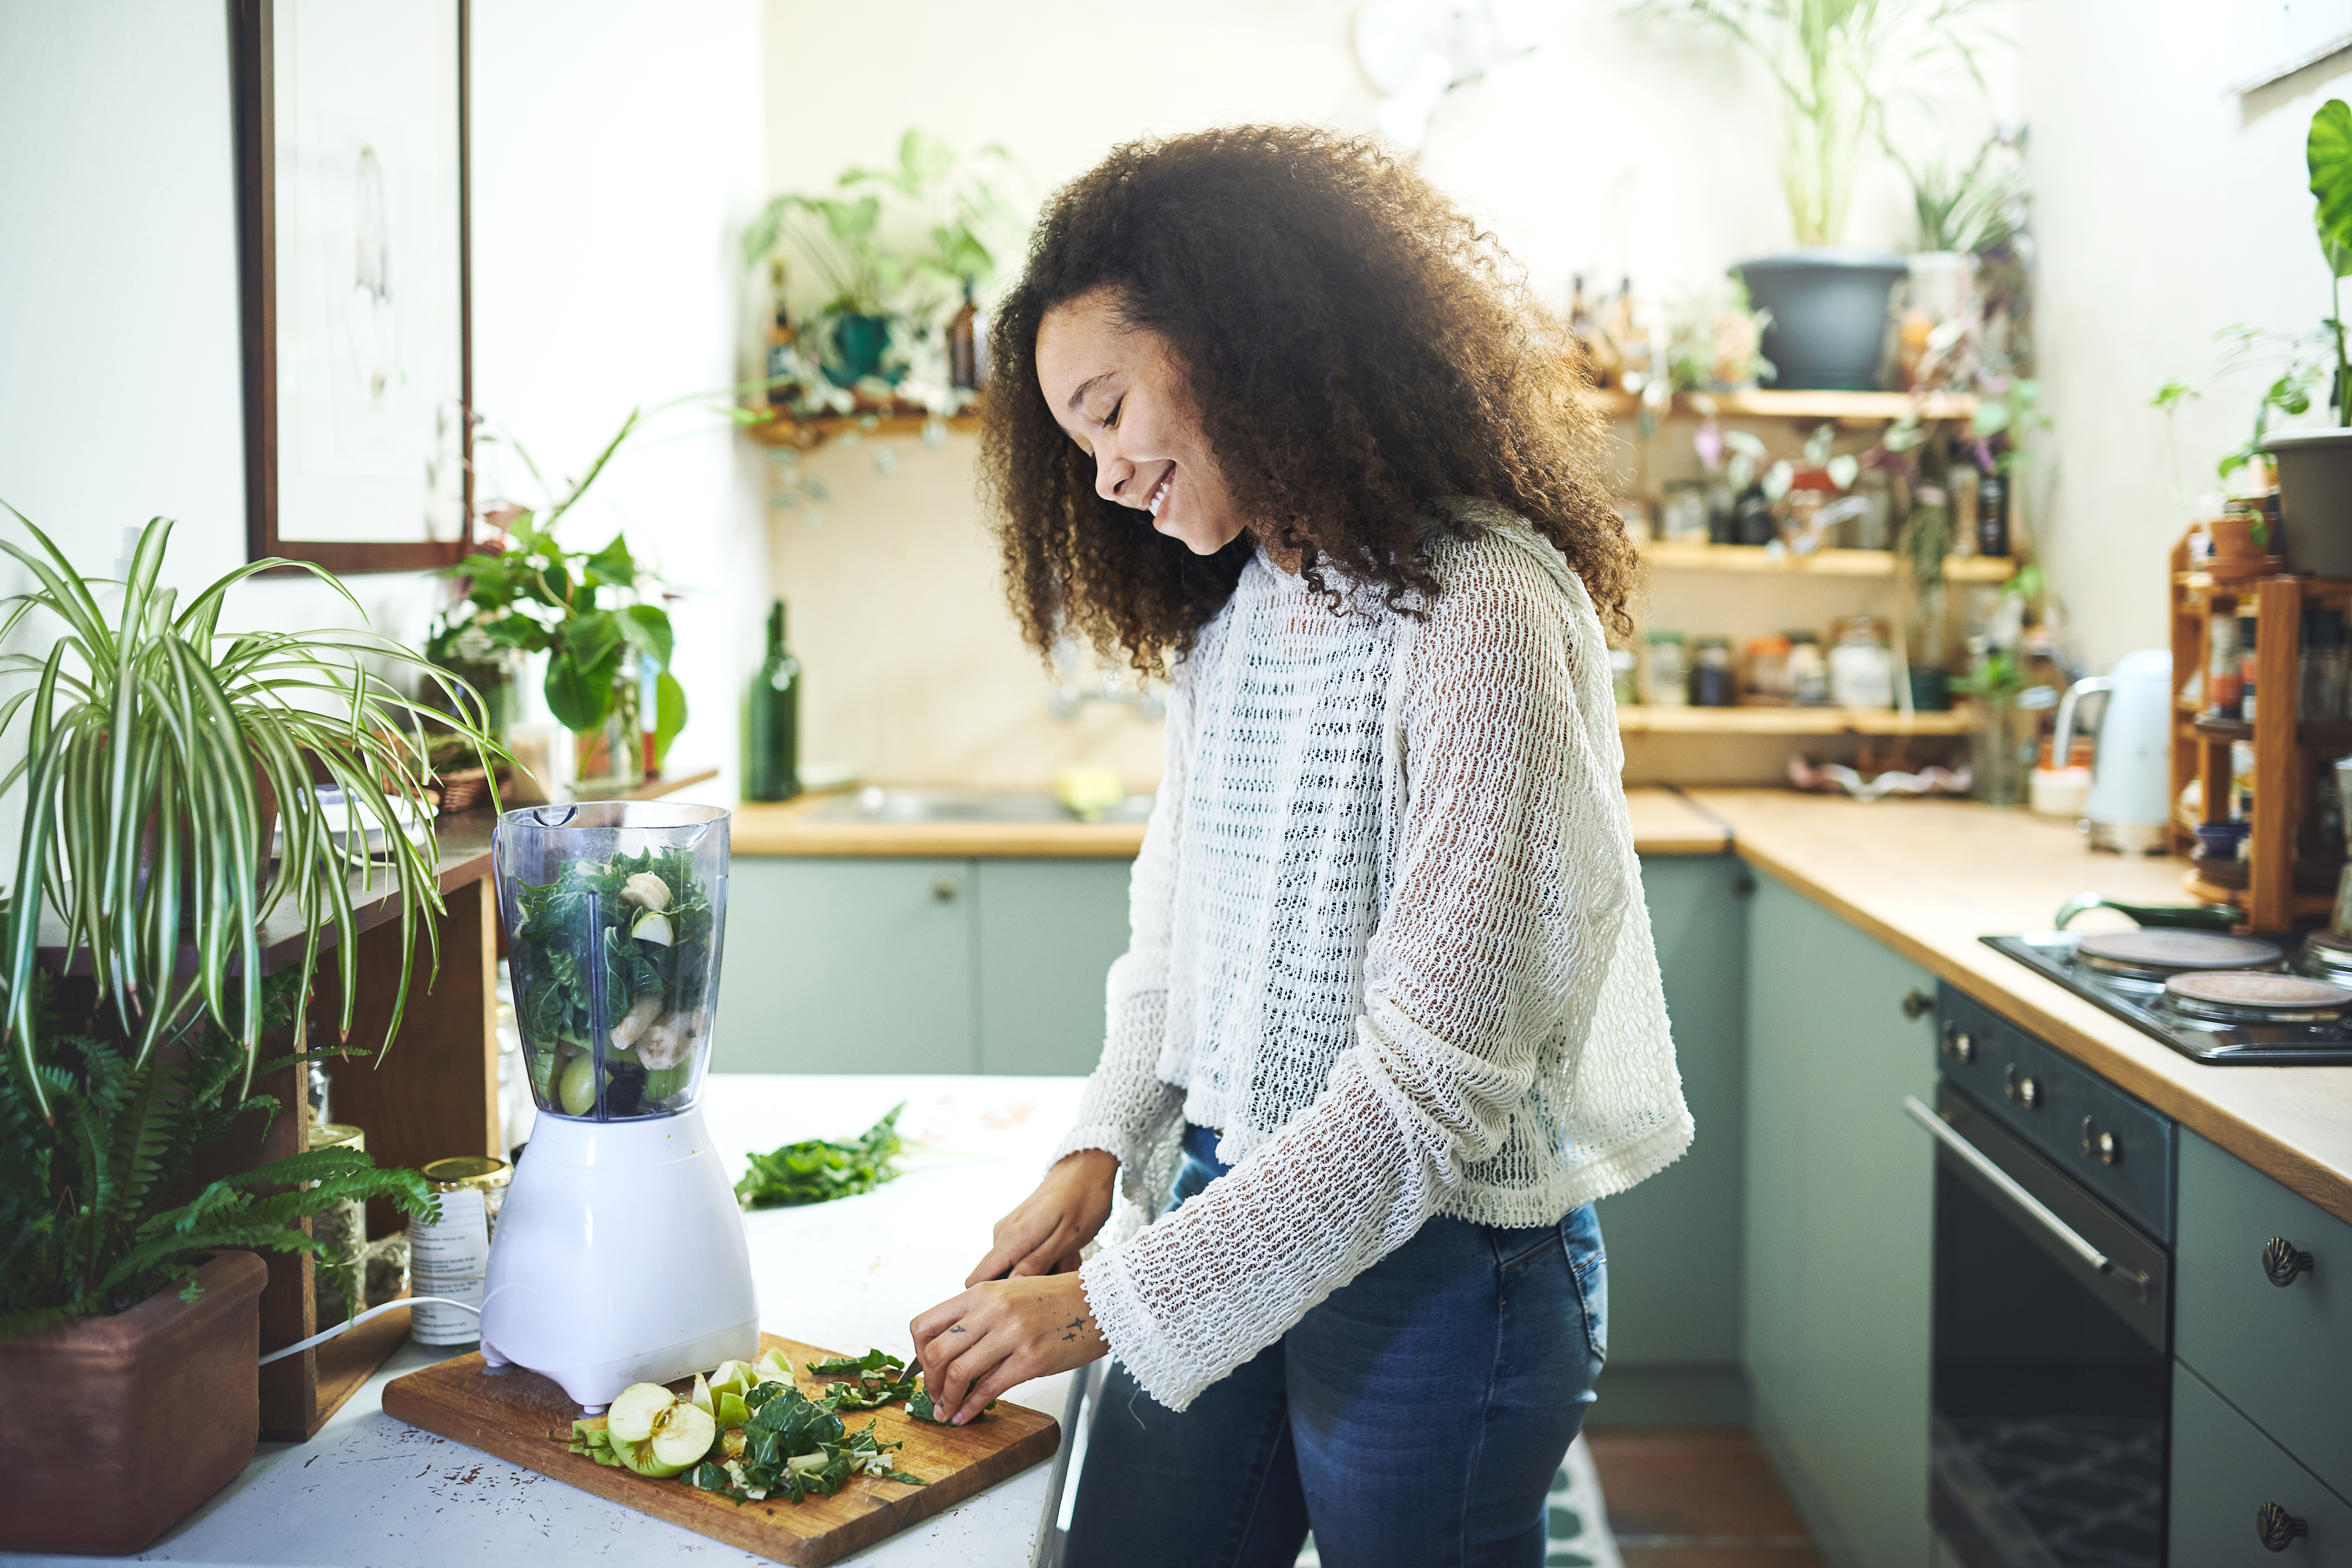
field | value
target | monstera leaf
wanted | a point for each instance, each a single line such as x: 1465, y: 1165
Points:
x: 2329, y: 151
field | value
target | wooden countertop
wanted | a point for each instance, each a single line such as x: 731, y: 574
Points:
x: 1664, y: 823
x: 1930, y: 878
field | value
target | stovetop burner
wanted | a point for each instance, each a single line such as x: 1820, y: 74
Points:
x: 2154, y: 954
x: 2218, y: 999
x: 2248, y: 996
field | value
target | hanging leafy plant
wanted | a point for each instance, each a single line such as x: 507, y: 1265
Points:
x: 157, y: 749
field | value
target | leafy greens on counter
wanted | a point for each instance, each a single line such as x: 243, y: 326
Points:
x: 816, y: 1171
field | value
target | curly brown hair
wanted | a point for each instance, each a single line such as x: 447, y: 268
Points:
x: 1357, y: 347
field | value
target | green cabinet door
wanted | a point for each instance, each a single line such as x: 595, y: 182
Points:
x: 846, y: 965
x: 1674, y: 1240
x: 1046, y: 933
x: 2232, y: 1486
x: 1840, y: 1209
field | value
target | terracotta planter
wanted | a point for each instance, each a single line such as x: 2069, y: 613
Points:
x: 120, y: 1426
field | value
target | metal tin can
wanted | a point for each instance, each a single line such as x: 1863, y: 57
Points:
x: 449, y: 1258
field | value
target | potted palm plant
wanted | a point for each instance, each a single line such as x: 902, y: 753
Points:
x: 1838, y: 65
x: 164, y: 760
x: 2314, y: 467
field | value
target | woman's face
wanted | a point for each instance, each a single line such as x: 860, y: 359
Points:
x: 1122, y: 395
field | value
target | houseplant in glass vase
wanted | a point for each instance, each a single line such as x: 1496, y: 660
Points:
x: 1838, y: 67
x: 596, y: 616
x: 163, y: 760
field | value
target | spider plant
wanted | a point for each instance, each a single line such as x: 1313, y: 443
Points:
x: 152, y: 742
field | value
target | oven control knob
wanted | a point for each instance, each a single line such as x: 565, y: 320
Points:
x: 2104, y: 1147
x: 2277, y: 1528
x: 1917, y: 1003
x: 1959, y: 1043
x: 2283, y: 1262
x: 2021, y: 1088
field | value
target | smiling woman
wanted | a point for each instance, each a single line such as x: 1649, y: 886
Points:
x: 1269, y: 415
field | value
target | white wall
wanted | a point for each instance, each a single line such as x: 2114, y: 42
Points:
x: 615, y: 147
x: 617, y: 150
x: 2168, y: 209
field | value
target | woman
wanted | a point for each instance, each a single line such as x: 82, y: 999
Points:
x: 1269, y: 414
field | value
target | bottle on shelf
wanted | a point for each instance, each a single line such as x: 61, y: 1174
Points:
x: 1992, y: 514
x: 1751, y: 520
x: 772, y: 721
x: 2223, y: 673
x: 963, y: 344
x: 1669, y: 672
x: 2248, y: 629
x: 1714, y: 682
x: 783, y: 387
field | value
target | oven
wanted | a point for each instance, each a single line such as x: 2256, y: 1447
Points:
x: 2052, y: 1379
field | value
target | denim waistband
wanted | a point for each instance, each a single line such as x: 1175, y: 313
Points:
x: 1200, y: 1145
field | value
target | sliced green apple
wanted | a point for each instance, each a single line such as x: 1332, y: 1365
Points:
x: 682, y: 1436
x: 632, y: 1415
x: 578, y: 1089
x: 653, y: 926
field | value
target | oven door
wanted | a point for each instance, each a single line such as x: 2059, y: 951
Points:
x: 2053, y: 1375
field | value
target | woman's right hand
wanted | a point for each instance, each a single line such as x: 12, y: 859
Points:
x: 1044, y: 1234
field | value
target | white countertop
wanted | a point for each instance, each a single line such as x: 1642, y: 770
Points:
x: 369, y: 1489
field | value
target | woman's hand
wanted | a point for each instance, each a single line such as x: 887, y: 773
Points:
x: 1000, y: 1333
x: 1044, y: 1234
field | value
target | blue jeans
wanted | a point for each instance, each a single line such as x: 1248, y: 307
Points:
x: 1415, y: 1417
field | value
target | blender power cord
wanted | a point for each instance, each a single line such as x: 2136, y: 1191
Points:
x: 357, y: 1319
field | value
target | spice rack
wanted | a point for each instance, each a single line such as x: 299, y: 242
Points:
x: 2285, y: 747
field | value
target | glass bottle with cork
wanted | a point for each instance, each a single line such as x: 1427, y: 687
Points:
x: 772, y: 721
x: 963, y: 344
x: 783, y: 384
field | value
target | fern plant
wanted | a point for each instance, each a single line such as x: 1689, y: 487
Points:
x: 97, y: 1210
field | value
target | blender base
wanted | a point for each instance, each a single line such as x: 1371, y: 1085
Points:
x: 620, y: 1259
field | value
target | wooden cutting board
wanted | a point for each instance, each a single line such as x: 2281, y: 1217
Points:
x: 511, y: 1415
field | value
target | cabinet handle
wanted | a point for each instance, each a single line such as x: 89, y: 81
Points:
x: 944, y: 889
x: 2021, y: 1087
x: 1917, y: 1003
x: 1959, y: 1043
x: 2276, y: 1529
x: 2283, y: 1262
x: 2104, y: 1147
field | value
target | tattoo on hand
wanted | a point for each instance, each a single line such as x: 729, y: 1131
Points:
x: 957, y: 1330
x: 1074, y: 1325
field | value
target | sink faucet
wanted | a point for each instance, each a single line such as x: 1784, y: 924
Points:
x: 1111, y: 684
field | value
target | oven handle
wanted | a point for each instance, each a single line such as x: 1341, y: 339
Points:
x: 2131, y: 1279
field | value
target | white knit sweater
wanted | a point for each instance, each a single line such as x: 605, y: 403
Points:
x: 1388, y: 936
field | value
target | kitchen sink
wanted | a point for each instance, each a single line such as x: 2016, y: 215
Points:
x: 875, y: 803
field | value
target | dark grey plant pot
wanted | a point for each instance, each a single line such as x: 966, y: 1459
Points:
x: 2314, y: 479
x: 1829, y: 314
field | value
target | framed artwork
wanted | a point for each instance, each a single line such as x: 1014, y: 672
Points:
x: 352, y: 238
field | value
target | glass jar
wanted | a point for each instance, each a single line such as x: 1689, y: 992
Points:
x: 1861, y: 672
x: 448, y: 1258
x: 1808, y: 672
x: 611, y: 757
x: 1713, y: 682
x: 1621, y: 681
x: 1684, y: 516
x: 1669, y: 671
x: 1769, y: 679
x: 341, y: 1230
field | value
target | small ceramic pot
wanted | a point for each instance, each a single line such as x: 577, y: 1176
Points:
x: 120, y: 1426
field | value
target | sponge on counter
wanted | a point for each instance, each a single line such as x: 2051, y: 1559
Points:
x: 1088, y: 792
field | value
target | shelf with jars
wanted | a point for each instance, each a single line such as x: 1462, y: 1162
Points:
x: 1645, y: 720
x: 1813, y: 407
x: 1676, y: 554
x: 782, y: 429
x: 2299, y: 676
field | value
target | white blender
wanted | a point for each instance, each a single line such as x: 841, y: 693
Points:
x: 620, y: 1256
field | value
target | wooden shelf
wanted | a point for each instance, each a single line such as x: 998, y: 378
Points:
x: 651, y: 789
x: 806, y: 435
x: 1649, y: 721
x: 1761, y: 403
x: 1680, y: 555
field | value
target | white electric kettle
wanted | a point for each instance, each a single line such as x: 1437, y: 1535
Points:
x: 2131, y: 765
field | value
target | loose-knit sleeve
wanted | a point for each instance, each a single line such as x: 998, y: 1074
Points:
x: 1125, y: 1108
x: 1506, y: 879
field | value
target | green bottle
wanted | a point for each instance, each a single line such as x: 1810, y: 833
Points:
x: 772, y: 721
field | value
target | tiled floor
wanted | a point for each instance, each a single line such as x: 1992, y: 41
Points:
x: 1696, y: 1496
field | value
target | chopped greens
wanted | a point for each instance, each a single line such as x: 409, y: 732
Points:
x: 633, y: 936
x: 815, y: 1171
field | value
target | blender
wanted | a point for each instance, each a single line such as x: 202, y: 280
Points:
x: 620, y: 1256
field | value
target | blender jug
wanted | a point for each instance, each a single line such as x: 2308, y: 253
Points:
x: 620, y: 1255
x: 615, y: 913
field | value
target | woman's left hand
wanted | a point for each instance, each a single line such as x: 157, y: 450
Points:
x: 1001, y: 1332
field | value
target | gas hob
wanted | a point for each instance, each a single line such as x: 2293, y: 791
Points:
x: 2223, y: 1000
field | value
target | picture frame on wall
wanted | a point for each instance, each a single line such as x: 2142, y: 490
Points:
x: 351, y: 186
